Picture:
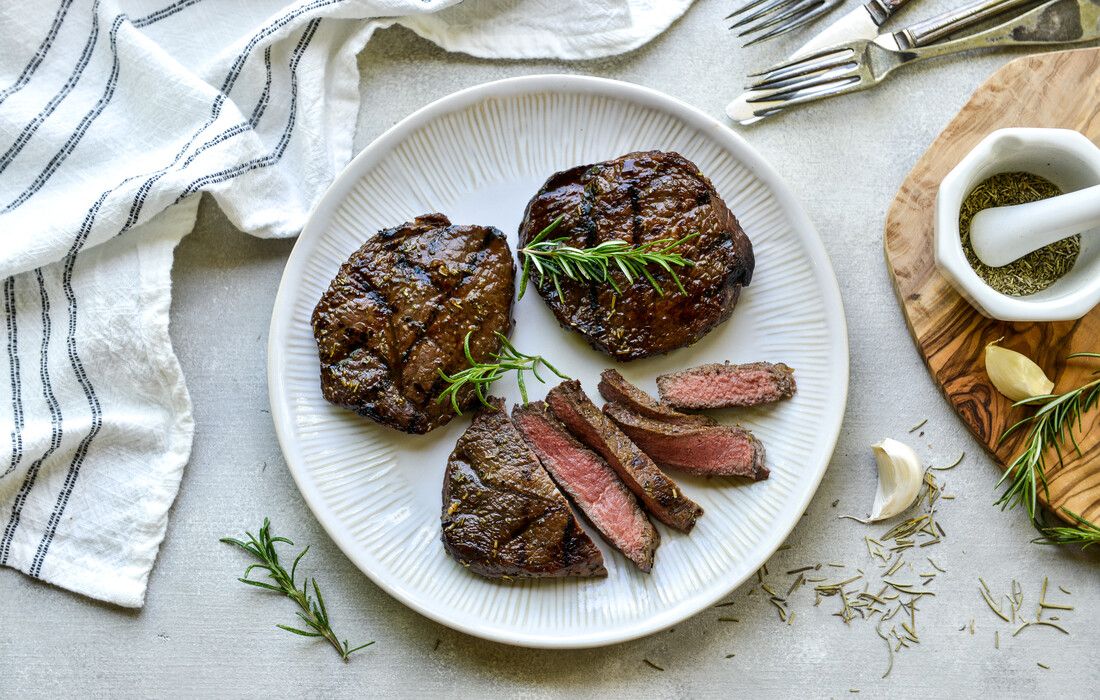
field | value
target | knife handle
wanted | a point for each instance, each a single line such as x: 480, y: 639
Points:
x: 947, y: 23
x: 882, y: 10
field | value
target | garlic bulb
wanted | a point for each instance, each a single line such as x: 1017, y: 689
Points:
x: 1014, y: 375
x: 899, y: 478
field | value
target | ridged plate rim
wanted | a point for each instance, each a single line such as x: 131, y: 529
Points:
x: 738, y: 149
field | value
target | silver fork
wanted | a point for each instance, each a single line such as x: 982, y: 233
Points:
x: 770, y: 18
x: 860, y: 65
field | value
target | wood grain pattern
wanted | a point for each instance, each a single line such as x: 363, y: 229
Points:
x: 1050, y: 90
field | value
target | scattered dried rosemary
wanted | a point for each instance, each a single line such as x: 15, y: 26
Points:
x: 1013, y: 614
x: 887, y: 596
x: 1035, y: 271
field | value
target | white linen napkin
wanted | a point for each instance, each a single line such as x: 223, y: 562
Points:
x: 114, y: 116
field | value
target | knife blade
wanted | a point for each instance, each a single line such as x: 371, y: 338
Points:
x: 861, y: 23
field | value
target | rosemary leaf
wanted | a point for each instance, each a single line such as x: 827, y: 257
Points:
x: 954, y: 464
x: 1086, y: 533
x: 312, y: 609
x: 481, y: 375
x: 555, y: 259
x: 1050, y: 427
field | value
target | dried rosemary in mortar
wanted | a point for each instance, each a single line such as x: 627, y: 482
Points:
x: 1035, y: 271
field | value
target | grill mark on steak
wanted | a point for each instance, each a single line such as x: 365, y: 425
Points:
x: 704, y: 450
x: 589, y: 483
x: 455, y: 292
x: 615, y: 388
x: 637, y: 198
x: 658, y: 493
x: 636, y: 215
x: 398, y: 310
x: 502, y: 515
x: 727, y: 385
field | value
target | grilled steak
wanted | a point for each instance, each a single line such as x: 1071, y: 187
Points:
x: 398, y: 312
x: 658, y: 493
x: 637, y: 198
x: 593, y: 486
x: 502, y: 515
x: 706, y: 450
x: 616, y: 389
x: 726, y: 385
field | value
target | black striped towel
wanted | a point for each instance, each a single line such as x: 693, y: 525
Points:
x: 114, y: 115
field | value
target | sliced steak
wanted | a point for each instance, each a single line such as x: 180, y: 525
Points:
x: 658, y: 493
x: 726, y: 385
x: 637, y: 198
x: 502, y: 515
x: 616, y: 389
x: 398, y: 311
x: 706, y: 450
x: 590, y: 483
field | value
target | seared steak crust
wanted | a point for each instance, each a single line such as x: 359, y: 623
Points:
x: 502, y: 515
x: 636, y: 198
x: 398, y: 311
x: 705, y: 450
x: 590, y: 483
x: 658, y: 493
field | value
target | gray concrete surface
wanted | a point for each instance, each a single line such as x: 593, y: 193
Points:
x: 202, y: 634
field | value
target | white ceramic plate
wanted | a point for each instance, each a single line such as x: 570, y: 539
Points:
x: 478, y: 156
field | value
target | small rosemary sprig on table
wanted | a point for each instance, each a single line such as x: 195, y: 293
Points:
x: 1085, y: 533
x: 482, y: 374
x: 1052, y: 425
x: 311, y: 608
x: 555, y: 259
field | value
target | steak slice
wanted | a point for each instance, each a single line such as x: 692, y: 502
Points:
x: 502, y: 515
x: 638, y: 198
x: 705, y: 450
x: 726, y: 385
x: 398, y: 311
x: 616, y: 389
x: 593, y: 486
x: 658, y: 493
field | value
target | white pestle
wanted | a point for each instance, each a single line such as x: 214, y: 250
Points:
x: 1001, y: 235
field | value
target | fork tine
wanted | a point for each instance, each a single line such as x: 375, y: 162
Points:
x: 782, y: 14
x: 788, y: 93
x: 798, y: 61
x: 832, y: 91
x: 795, y: 23
x: 744, y: 8
x: 770, y: 111
x: 829, y: 62
x: 830, y: 73
x: 768, y: 7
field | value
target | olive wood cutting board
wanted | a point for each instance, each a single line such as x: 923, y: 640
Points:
x: 1049, y: 90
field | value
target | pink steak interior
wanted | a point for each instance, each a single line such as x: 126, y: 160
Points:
x: 747, y: 386
x: 593, y: 484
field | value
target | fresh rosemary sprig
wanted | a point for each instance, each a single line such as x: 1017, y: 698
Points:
x: 1086, y: 533
x: 482, y: 374
x: 556, y: 259
x: 1052, y: 425
x: 312, y: 608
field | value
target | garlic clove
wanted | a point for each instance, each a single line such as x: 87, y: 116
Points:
x: 899, y: 478
x: 1015, y: 375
